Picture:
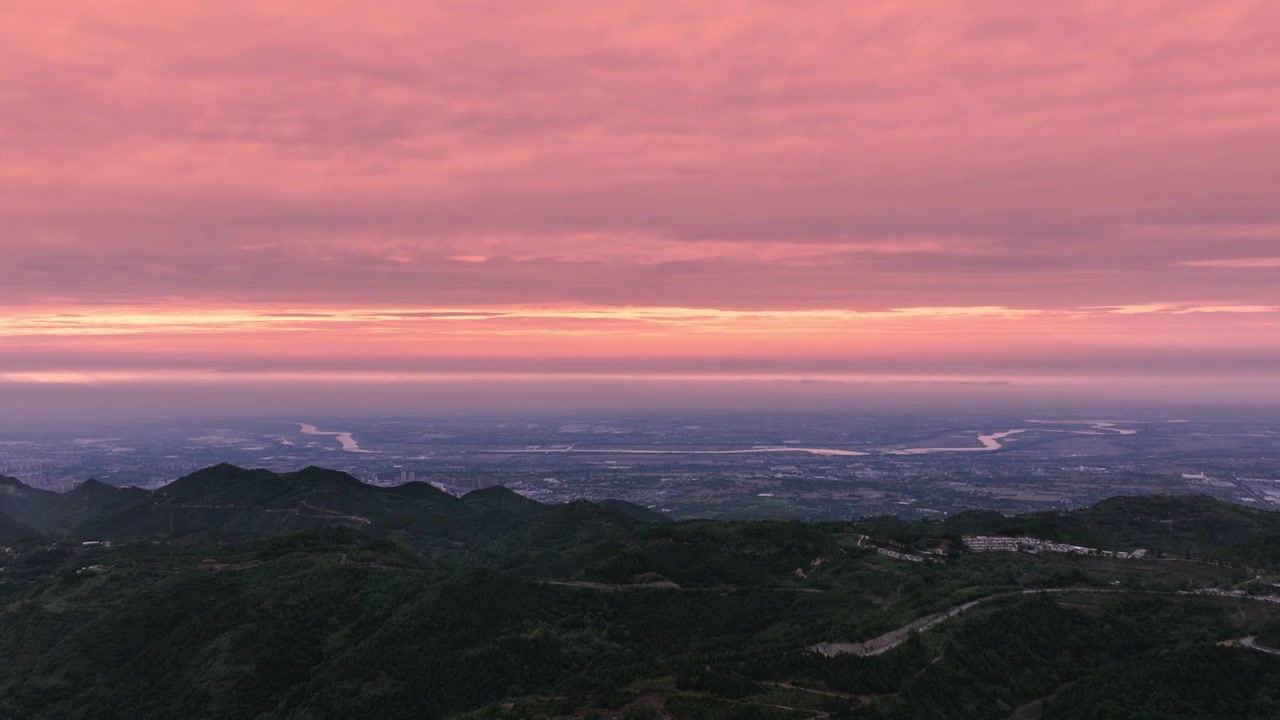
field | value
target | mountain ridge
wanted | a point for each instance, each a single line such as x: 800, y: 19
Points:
x: 225, y: 498
x: 228, y: 498
x: 248, y: 593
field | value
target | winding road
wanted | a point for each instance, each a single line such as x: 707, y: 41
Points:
x: 1251, y: 642
x: 894, y: 638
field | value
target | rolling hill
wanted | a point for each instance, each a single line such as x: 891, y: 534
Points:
x: 283, y: 596
x: 237, y: 501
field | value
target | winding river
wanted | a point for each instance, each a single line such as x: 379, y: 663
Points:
x: 992, y: 441
x: 745, y: 451
x: 347, y: 441
x: 989, y: 442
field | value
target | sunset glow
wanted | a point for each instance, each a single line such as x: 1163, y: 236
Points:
x: 339, y: 191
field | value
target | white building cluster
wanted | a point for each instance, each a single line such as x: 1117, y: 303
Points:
x: 909, y: 557
x: 998, y: 543
x: 1222, y: 592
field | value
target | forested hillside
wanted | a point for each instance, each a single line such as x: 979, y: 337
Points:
x: 248, y: 594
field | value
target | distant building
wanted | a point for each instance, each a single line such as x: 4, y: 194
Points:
x: 909, y: 557
x: 989, y: 543
x: 999, y: 543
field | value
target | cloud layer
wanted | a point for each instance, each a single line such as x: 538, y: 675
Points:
x: 787, y: 183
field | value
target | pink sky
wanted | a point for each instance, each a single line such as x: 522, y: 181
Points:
x: 198, y: 190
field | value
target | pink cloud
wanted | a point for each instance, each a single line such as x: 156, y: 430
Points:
x: 738, y: 156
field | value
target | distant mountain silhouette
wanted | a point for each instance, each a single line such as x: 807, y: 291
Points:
x: 90, y: 499
x: 233, y: 501
x: 23, y: 503
x: 502, y: 499
x: 239, y: 501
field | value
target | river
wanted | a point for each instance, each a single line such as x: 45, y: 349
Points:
x: 347, y: 441
x: 744, y: 451
x: 989, y: 442
x: 992, y: 441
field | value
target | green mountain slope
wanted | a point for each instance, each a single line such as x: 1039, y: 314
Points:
x: 334, y: 623
x: 11, y: 530
x: 308, y: 595
x: 1185, y: 524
